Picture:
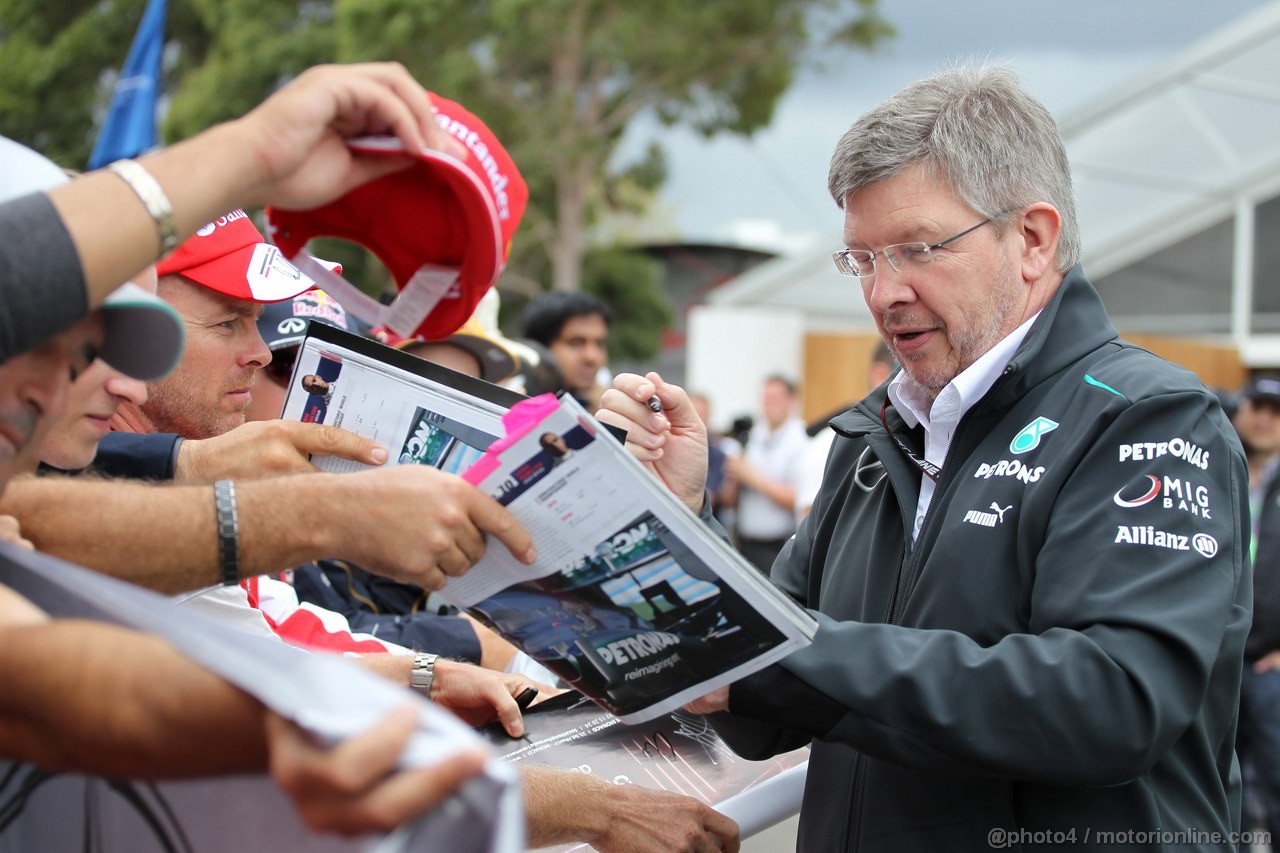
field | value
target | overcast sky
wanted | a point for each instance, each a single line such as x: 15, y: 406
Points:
x: 770, y: 191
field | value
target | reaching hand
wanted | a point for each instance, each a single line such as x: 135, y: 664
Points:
x: 564, y: 806
x: 672, y: 444
x: 413, y: 523
x: 481, y: 696
x: 299, y: 135
x: 268, y: 449
x: 716, y: 700
x: 645, y: 820
x: 355, y: 786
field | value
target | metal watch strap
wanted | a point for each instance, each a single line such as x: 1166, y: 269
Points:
x: 423, y: 673
x: 153, y: 197
x: 224, y: 500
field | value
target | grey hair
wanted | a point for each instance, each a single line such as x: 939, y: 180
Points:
x: 976, y: 128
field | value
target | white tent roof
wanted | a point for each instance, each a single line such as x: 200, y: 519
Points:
x: 1156, y: 162
x: 1170, y: 153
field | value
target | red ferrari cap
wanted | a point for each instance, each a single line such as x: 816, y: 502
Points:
x: 443, y: 227
x: 230, y: 256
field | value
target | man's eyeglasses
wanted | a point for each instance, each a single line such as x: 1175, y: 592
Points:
x: 861, y: 263
x: 280, y: 368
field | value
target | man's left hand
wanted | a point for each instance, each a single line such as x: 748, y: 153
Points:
x: 269, y: 449
x: 715, y: 701
x: 1267, y: 662
x: 481, y: 696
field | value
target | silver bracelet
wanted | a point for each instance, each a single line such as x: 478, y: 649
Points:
x: 224, y: 501
x: 423, y: 674
x: 153, y: 197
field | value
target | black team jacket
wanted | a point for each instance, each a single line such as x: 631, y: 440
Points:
x: 1056, y: 663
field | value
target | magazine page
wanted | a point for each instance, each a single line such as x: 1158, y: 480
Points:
x: 421, y: 412
x: 632, y: 601
x: 677, y: 752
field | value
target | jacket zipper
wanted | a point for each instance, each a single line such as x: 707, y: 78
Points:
x: 929, y: 516
x: 896, y: 602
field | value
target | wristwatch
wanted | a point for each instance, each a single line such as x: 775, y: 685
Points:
x: 423, y: 673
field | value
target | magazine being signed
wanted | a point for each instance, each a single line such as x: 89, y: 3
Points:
x: 634, y: 601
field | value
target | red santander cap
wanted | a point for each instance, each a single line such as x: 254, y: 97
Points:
x: 443, y: 227
x: 230, y: 256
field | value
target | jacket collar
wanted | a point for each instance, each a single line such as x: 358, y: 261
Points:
x: 1073, y: 324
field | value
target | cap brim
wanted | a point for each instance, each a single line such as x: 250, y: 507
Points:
x: 451, y: 187
x: 484, y: 257
x: 144, y: 336
x: 257, y: 273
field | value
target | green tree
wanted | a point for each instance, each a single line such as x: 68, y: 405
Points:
x: 630, y: 284
x: 61, y: 59
x: 560, y: 80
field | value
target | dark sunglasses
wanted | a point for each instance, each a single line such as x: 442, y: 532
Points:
x: 280, y: 368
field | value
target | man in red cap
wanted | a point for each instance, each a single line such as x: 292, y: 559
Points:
x: 216, y: 280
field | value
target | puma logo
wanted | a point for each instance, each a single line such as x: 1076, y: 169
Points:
x: 987, y: 519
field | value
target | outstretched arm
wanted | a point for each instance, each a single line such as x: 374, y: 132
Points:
x: 96, y: 698
x: 289, y: 151
x: 165, y: 537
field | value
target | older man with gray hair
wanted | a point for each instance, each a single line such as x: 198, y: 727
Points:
x: 1027, y: 557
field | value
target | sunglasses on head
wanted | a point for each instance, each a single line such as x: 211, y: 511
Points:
x: 280, y: 368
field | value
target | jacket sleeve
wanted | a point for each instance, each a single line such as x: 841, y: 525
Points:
x: 324, y: 585
x: 1122, y: 637
x: 136, y: 456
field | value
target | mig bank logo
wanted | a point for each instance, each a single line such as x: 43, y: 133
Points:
x: 1028, y: 438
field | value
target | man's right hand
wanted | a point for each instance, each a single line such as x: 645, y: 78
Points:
x: 297, y: 139
x: 355, y: 787
x: 672, y: 444
x: 413, y: 523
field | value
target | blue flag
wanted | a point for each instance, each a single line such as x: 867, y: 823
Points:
x: 130, y: 128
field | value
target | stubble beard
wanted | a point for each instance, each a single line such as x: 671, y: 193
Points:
x: 968, y: 343
x: 173, y: 406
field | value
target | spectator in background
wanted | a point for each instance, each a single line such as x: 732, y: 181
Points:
x: 574, y: 327
x: 282, y: 326
x: 719, y: 486
x: 1257, y: 421
x: 469, y: 351
x: 766, y: 474
x: 815, y: 455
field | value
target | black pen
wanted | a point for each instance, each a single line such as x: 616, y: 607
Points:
x: 525, y: 697
x: 654, y: 404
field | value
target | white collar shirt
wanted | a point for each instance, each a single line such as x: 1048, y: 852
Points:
x: 941, y: 416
